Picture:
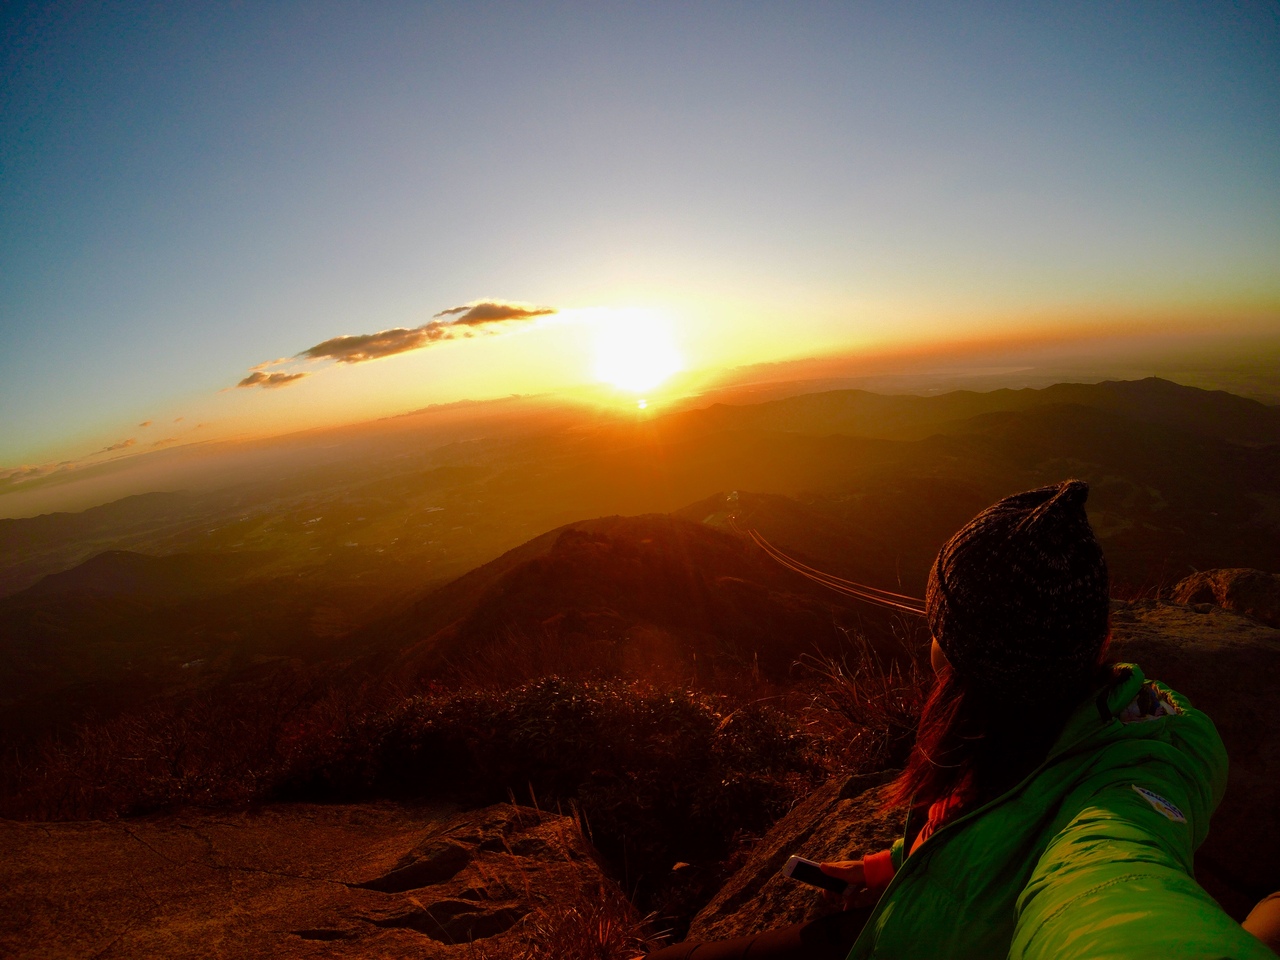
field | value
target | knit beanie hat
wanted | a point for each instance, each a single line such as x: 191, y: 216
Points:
x: 1019, y: 598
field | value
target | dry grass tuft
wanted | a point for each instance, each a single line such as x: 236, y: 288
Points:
x: 865, y: 710
x: 601, y: 925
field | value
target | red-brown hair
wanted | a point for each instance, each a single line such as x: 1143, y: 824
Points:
x: 967, y: 739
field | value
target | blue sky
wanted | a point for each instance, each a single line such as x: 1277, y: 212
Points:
x: 193, y: 189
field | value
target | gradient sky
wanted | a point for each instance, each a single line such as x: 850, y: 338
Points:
x: 192, y: 189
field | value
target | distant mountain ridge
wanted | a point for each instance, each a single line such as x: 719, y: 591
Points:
x: 908, y: 417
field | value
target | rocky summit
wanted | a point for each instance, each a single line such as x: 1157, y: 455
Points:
x: 388, y: 880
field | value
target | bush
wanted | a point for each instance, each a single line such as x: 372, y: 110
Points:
x: 659, y: 775
x: 232, y: 745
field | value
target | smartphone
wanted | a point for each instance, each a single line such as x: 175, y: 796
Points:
x: 807, y: 871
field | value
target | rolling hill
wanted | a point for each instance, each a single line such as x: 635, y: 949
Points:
x: 649, y: 596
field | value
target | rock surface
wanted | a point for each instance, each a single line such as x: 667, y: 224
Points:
x: 1239, y: 589
x: 842, y: 820
x: 1228, y: 665
x: 288, y: 881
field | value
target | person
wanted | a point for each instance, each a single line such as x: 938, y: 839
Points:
x: 1054, y: 800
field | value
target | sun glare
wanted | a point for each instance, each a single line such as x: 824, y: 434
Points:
x: 635, y: 350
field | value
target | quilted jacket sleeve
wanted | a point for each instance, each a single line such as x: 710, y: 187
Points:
x: 1115, y: 880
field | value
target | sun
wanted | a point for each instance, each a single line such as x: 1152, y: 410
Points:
x: 635, y: 350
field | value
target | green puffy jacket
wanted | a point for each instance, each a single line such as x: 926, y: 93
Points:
x: 1089, y: 857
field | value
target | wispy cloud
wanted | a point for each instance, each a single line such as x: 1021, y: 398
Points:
x: 374, y: 346
x: 122, y: 445
x: 359, y: 348
x: 146, y: 423
x: 270, y: 381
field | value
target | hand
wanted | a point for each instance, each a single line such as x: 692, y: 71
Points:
x: 856, y: 894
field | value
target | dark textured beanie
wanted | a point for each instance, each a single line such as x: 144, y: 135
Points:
x: 1019, y: 598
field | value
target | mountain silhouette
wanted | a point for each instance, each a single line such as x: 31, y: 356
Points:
x: 123, y: 573
x: 636, y: 596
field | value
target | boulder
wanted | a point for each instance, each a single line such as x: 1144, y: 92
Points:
x: 1253, y: 593
x: 843, y: 820
x: 479, y: 873
x: 1227, y: 664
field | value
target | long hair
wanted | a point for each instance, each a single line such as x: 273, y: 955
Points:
x: 967, y: 739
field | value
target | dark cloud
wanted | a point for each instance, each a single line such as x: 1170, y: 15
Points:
x: 145, y: 423
x: 269, y: 381
x: 493, y: 311
x: 386, y: 343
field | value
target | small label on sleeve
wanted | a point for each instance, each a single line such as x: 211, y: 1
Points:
x: 1161, y: 805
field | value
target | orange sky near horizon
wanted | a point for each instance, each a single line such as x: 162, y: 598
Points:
x: 222, y: 222
x: 559, y: 355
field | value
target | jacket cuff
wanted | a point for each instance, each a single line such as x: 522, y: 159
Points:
x: 878, y: 869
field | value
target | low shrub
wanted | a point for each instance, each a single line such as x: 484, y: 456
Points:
x: 230, y: 745
x: 659, y: 775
